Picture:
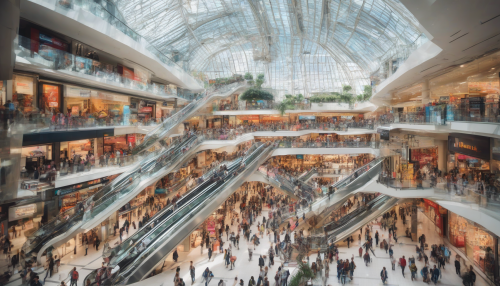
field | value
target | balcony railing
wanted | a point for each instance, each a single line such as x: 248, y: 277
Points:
x: 30, y: 52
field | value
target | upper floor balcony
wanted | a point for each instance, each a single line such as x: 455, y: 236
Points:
x: 94, y: 23
x: 444, y: 118
x: 262, y: 107
x: 69, y: 67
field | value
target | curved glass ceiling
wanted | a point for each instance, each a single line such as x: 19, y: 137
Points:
x: 302, y: 46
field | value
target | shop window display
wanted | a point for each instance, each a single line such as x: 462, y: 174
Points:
x: 76, y: 156
x: 23, y: 94
x: 114, y: 143
x: 473, y: 241
x: 50, y: 101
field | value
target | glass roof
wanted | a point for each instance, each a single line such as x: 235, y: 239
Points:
x: 302, y: 46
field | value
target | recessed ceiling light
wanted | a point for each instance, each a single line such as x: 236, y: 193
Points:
x: 461, y: 66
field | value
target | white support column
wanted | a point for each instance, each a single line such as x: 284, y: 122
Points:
x: 442, y: 146
x: 9, y: 26
x: 426, y: 93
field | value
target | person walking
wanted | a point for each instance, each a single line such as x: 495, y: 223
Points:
x: 210, y: 253
x: 226, y: 257
x: 327, y: 268
x: 192, y: 272
x: 413, y: 270
x: 175, y: 256
x: 271, y: 256
x: 74, y: 277
x: 87, y: 246
x: 472, y: 276
x: 49, y: 269
x: 435, y: 274
x: 383, y: 275
x: 262, y: 274
x: 457, y: 266
x: 402, y: 263
x: 352, y: 266
x: 251, y: 282
x: 207, y: 276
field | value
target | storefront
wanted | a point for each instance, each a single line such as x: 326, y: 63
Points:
x: 247, y: 119
x: 424, y: 160
x: 307, y: 119
x: 108, y: 105
x: 144, y: 110
x: 23, y: 93
x: 274, y: 119
x: 474, y: 242
x: 24, y: 218
x: 69, y: 197
x: 114, y: 143
x: 436, y: 214
x: 469, y: 155
x: 50, y: 98
x: 38, y: 157
x: 78, y: 148
x: 339, y: 117
x: 474, y: 101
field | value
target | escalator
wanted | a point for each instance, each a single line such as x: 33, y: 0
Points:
x: 109, y: 199
x: 381, y: 206
x: 332, y: 225
x: 143, y: 253
x: 128, y: 250
x: 338, y: 231
x: 168, y: 127
x: 344, y: 188
x: 150, y: 165
x: 283, y: 185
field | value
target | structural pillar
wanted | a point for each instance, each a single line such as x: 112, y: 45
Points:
x: 425, y: 92
x: 9, y: 25
x: 414, y: 220
x: 442, y: 146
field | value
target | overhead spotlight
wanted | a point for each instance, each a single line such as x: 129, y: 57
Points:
x: 461, y: 66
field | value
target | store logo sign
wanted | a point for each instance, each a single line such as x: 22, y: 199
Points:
x: 466, y: 146
x: 470, y: 145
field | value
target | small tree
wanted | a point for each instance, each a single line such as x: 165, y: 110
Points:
x: 282, y: 107
x: 367, y: 92
x: 259, y: 81
x: 256, y: 94
x: 248, y: 76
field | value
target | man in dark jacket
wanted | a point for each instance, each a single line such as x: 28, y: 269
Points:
x: 457, y: 266
x: 49, y: 270
x: 261, y: 261
x: 175, y: 256
x: 36, y: 282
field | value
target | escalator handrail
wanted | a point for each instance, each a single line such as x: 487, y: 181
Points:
x: 371, y: 164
